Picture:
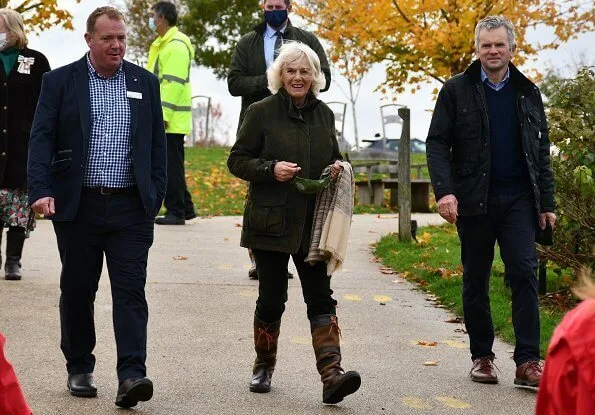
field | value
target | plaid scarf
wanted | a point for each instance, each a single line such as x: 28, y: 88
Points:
x: 332, y: 220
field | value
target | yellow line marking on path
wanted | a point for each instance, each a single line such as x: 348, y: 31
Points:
x: 301, y: 340
x: 248, y: 293
x: 224, y: 267
x: 453, y: 402
x: 382, y: 298
x: 415, y: 402
x: 455, y: 344
x: 352, y: 297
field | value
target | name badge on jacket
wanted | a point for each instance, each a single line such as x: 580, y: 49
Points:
x: 134, y: 95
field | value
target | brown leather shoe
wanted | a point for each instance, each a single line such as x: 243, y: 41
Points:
x: 484, y: 370
x: 529, y: 374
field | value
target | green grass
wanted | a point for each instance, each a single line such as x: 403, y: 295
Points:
x: 434, y: 264
x: 216, y: 192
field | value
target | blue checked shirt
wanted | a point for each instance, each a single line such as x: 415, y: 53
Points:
x: 109, y: 156
x: 499, y: 85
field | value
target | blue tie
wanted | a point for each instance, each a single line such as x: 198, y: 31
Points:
x: 278, y: 44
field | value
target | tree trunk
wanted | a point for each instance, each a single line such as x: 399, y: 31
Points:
x: 353, y: 110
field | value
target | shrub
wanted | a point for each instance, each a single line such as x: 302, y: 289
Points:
x: 572, y: 131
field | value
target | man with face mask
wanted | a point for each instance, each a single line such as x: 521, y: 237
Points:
x: 170, y: 57
x: 254, y: 54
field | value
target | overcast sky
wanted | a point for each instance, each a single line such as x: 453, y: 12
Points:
x: 62, y: 47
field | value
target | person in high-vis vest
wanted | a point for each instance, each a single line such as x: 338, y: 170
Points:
x: 170, y: 57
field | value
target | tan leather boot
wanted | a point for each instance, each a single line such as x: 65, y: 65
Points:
x: 325, y: 338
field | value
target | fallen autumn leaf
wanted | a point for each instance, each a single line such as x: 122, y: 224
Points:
x: 425, y: 343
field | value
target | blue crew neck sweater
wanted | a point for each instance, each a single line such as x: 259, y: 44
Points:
x: 508, y: 172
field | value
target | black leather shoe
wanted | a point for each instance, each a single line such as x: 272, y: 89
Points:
x: 169, y: 220
x: 133, y: 390
x: 252, y: 274
x: 190, y: 215
x: 261, y: 380
x: 289, y: 275
x: 13, y: 271
x: 82, y: 385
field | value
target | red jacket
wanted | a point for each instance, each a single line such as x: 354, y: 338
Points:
x: 12, y: 401
x: 567, y: 386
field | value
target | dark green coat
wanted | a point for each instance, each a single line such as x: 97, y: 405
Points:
x: 247, y: 74
x: 276, y: 216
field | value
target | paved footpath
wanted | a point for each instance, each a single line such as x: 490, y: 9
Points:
x: 200, y: 335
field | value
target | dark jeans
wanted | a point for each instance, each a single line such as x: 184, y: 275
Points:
x: 272, y: 285
x: 510, y: 221
x: 118, y: 227
x: 178, y: 201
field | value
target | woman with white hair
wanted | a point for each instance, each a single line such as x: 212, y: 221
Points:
x: 20, y: 83
x: 286, y: 139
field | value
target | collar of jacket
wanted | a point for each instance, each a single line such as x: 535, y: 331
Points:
x: 261, y: 28
x: 311, y: 102
x: 166, y: 37
x: 520, y: 81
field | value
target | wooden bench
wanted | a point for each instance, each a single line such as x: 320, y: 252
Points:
x: 371, y: 189
x: 372, y: 192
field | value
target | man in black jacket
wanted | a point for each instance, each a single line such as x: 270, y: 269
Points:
x: 488, y: 156
x: 97, y: 169
x: 254, y: 54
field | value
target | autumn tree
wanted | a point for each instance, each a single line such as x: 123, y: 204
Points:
x: 39, y: 15
x: 216, y: 26
x: 140, y: 36
x: 424, y: 40
x: 352, y: 64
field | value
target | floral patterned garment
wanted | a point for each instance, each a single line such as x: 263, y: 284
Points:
x: 13, y: 208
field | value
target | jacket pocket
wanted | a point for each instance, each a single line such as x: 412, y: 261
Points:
x: 266, y: 215
x: 61, y: 165
x: 463, y: 169
x: 468, y: 122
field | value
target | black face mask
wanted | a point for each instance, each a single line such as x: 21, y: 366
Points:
x: 275, y: 18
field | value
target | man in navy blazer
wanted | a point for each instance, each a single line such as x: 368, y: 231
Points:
x: 97, y: 168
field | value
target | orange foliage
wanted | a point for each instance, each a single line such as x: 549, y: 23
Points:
x: 421, y: 40
x: 41, y: 14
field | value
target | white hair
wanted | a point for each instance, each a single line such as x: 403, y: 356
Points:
x: 492, y: 23
x: 291, y: 52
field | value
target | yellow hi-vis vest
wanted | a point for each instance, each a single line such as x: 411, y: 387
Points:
x: 170, y: 57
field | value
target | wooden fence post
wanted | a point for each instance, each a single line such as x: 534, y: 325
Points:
x: 404, y: 168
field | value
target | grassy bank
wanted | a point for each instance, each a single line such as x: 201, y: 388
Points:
x: 434, y: 265
x: 215, y: 192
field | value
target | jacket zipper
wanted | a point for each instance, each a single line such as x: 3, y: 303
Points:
x: 522, y: 112
x: 310, y: 164
x: 489, y: 161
